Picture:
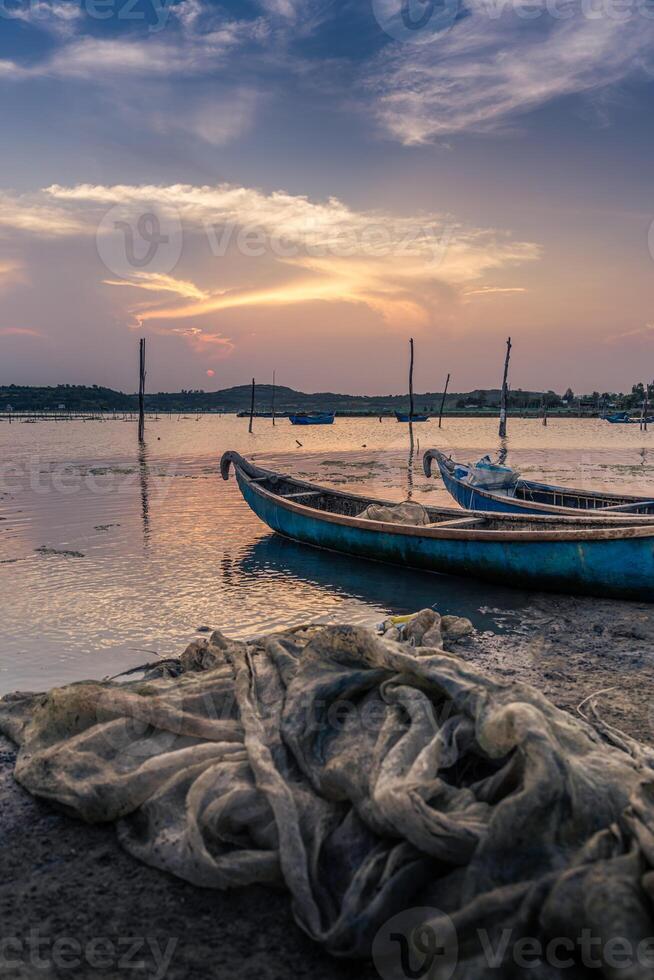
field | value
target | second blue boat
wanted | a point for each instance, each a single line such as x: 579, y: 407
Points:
x: 479, y: 488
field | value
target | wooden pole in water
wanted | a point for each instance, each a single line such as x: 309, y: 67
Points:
x: 504, y: 391
x: 643, y: 424
x: 273, y: 399
x: 251, y: 407
x: 411, y: 381
x: 440, y: 414
x: 411, y: 359
x: 141, y: 389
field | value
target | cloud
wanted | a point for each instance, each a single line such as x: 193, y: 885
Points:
x: 324, y: 251
x: 196, y: 50
x: 12, y: 272
x: 291, y: 226
x: 206, y: 343
x: 216, y: 120
x: 36, y: 214
x: 57, y: 17
x: 639, y: 333
x: 159, y: 283
x: 248, y: 249
x: 494, y: 290
x: 494, y: 64
x: 197, y: 41
x: 19, y: 332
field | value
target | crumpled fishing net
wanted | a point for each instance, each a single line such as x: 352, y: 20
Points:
x: 365, y: 775
x: 408, y: 512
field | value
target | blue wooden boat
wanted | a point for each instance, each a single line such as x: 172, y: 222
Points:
x: 608, y: 556
x: 319, y: 418
x: 528, y: 497
x: 615, y: 417
x: 406, y: 417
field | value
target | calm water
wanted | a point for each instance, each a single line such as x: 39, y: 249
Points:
x: 109, y: 556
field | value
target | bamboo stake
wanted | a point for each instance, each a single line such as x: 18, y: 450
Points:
x: 411, y: 380
x: 273, y: 399
x: 504, y: 391
x: 251, y: 407
x: 440, y: 414
x: 142, y: 389
x: 411, y: 397
x: 643, y: 423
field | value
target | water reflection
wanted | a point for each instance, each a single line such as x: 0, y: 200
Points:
x: 144, y: 475
x: 396, y: 590
x: 409, y: 471
x: 211, y: 561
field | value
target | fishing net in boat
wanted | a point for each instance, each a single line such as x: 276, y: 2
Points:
x: 408, y: 512
x: 490, y: 476
x: 369, y: 777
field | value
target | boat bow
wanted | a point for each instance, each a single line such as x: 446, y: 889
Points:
x: 441, y: 459
x: 235, y: 459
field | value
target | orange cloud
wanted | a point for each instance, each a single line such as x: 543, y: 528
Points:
x: 19, y: 332
x: 201, y: 342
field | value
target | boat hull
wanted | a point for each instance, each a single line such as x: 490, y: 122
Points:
x: 475, y: 498
x: 311, y: 419
x: 618, y: 567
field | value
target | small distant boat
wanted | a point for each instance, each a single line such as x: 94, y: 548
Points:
x: 406, y: 417
x: 499, y: 490
x: 317, y: 418
x: 605, y: 556
x: 623, y: 418
x: 616, y: 417
x: 262, y: 415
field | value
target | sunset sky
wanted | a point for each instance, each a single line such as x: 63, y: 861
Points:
x: 301, y: 185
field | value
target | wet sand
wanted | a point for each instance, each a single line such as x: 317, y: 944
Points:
x: 64, y: 879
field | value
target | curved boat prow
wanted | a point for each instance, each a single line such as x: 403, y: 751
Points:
x: 429, y: 457
x: 233, y: 458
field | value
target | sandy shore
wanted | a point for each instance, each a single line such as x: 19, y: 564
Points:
x: 63, y: 881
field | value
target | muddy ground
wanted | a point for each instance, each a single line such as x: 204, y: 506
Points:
x: 62, y: 881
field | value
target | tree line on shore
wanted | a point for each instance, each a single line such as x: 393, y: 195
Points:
x: 95, y: 398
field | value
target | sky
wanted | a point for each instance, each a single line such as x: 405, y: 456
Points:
x: 302, y: 185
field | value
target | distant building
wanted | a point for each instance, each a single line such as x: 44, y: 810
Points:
x: 9, y: 408
x: 62, y: 408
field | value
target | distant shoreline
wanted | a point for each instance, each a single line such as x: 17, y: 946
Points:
x: 479, y: 403
x: 55, y: 415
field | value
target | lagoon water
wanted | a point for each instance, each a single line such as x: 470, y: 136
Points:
x: 112, y: 555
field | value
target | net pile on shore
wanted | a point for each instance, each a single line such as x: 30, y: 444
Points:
x: 365, y: 774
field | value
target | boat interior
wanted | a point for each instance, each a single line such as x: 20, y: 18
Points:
x: 579, y: 499
x: 349, y: 505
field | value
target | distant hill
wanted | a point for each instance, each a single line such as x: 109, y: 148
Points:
x: 83, y: 398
